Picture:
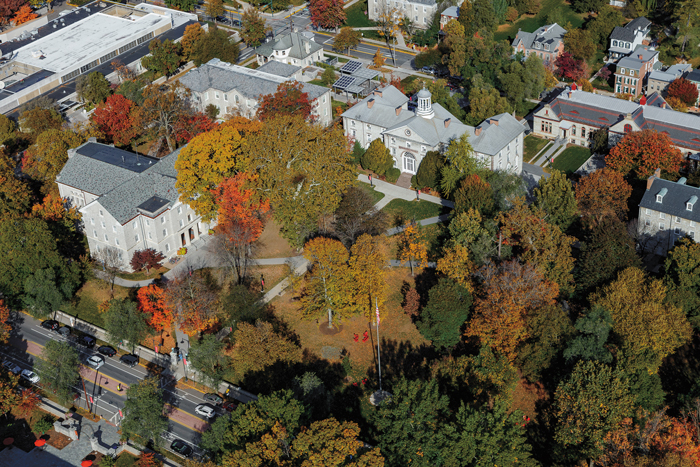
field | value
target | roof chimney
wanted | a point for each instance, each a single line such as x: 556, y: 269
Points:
x: 643, y: 100
x: 640, y: 56
x: 370, y: 103
x: 447, y: 122
x: 92, y: 140
x: 493, y: 121
x: 663, y: 105
x: 398, y: 110
x: 377, y: 93
x: 569, y: 94
x: 477, y: 131
x: 650, y: 180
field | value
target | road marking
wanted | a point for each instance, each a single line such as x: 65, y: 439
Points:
x: 372, y: 45
x: 175, y: 409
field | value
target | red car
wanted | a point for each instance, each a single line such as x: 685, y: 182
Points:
x: 230, y: 406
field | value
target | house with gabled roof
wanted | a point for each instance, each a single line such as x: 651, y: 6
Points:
x: 632, y: 71
x: 659, y: 80
x: 546, y: 42
x: 128, y: 202
x: 293, y: 49
x: 411, y: 134
x: 625, y: 39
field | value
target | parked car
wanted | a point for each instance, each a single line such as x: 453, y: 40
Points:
x: 50, y: 324
x: 96, y: 361
x: 30, y: 376
x: 87, y: 341
x: 236, y: 23
x: 65, y: 331
x: 213, y: 398
x: 107, y: 350
x: 182, y: 448
x: 129, y: 360
x: 427, y: 69
x: 230, y: 406
x: 11, y: 367
x: 205, y: 410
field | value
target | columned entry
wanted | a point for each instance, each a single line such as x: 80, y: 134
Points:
x: 409, y: 163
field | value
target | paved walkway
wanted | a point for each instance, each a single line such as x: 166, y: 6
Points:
x: 549, y: 154
x: 394, y: 191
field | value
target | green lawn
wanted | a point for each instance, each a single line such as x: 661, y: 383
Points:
x: 530, y: 23
x: 84, y: 305
x: 343, y: 107
x: 533, y: 145
x: 356, y: 16
x: 340, y: 59
x: 401, y: 211
x: 571, y: 159
x: 317, y: 82
x: 376, y: 196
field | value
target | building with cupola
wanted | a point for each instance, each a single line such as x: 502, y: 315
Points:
x: 296, y: 48
x: 410, y: 134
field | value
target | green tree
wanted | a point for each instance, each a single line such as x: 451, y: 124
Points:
x: 548, y: 328
x: 253, y: 28
x: 579, y: 43
x: 45, y: 159
x: 447, y: 310
x: 132, y: 90
x: 310, y: 390
x: 460, y: 162
x: 602, y: 25
x: 682, y: 278
x: 507, y: 187
x: 124, y: 322
x: 377, y: 158
x: 346, y: 39
x: 143, y: 410
x: 207, y: 356
x: 593, y: 327
x: 59, y: 368
x: 93, y: 88
x: 214, y: 8
x: 35, y: 121
x: 164, y: 58
x: 214, y: 44
x: 7, y: 130
x: 587, y: 6
x: 555, y: 196
x: 588, y: 405
x: 328, y: 77
x: 428, y: 174
x: 484, y: 103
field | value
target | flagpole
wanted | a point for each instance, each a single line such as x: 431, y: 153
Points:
x: 379, y: 358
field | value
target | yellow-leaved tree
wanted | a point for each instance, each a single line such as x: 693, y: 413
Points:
x: 456, y: 264
x: 412, y: 247
x: 369, y: 267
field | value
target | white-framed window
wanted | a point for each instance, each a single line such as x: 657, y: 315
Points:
x: 425, y: 20
x: 692, y: 223
x: 216, y: 94
x: 408, y: 144
x: 94, y: 233
x: 647, y: 222
x: 136, y: 224
x: 622, y: 71
x: 325, y: 112
x: 104, y: 226
x: 369, y: 127
x: 179, y: 209
x: 648, y: 212
x: 106, y: 238
x: 352, y: 122
x: 677, y: 231
x: 167, y: 247
x: 661, y: 226
x: 324, y: 99
x: 92, y: 220
x: 662, y: 215
x: 422, y: 149
x: 226, y: 97
x: 116, y: 240
x: 688, y: 206
x: 692, y: 234
x: 425, y: 10
x: 189, y: 217
x: 182, y: 223
x: 206, y: 96
x: 659, y: 198
x: 114, y: 228
x: 148, y: 223
x: 614, y: 42
x: 162, y: 220
x: 678, y: 220
x: 136, y: 237
x: 369, y: 137
x: 165, y: 232
x: 150, y: 236
x: 393, y: 151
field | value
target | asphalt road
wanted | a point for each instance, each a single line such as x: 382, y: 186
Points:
x: 26, y: 343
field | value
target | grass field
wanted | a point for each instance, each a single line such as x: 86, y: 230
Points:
x: 376, y: 196
x: 89, y: 297
x: 400, y: 211
x: 356, y: 16
x: 533, y: 145
x: 571, y: 159
x: 318, y: 82
x: 529, y: 23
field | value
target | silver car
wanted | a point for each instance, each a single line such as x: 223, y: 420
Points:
x: 205, y: 410
x: 30, y: 376
x: 96, y: 361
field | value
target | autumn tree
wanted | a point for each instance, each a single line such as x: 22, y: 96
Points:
x: 192, y: 34
x: 446, y: 311
x: 45, y: 159
x: 412, y: 247
x: 555, y: 196
x: 190, y: 125
x: 193, y: 301
x: 5, y: 326
x: 300, y: 185
x: 28, y: 401
x: 38, y: 120
x: 348, y: 38
x: 289, y: 99
x: 216, y: 43
x: 329, y: 284
x: 24, y: 15
x: 164, y: 57
x: 377, y: 158
x: 163, y: 106
x: 378, y: 60
x: 9, y: 399
x: 93, y: 88
x: 474, y: 193
x: 485, y: 102
x: 328, y: 14
x: 548, y: 328
x: 579, y: 43
x: 7, y: 130
x: 152, y: 301
x: 356, y: 215
x: 649, y: 328
x: 601, y: 194
x: 240, y: 223
x: 118, y: 119
x: 146, y: 259
x: 15, y: 194
x: 460, y: 162
x: 682, y: 278
x: 258, y: 346
x: 682, y: 89
x: 538, y: 243
x: 214, y: 8
x: 205, y: 163
x: 368, y: 267
x: 253, y: 27
x: 640, y: 153
x: 457, y: 264
x: 569, y: 67
x: 509, y: 293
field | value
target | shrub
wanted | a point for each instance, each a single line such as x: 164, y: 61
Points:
x: 182, y: 251
x: 392, y: 175
x: 511, y: 14
x: 43, y: 425
x: 357, y: 152
x: 328, y: 77
x: 429, y: 170
x: 411, y: 303
x: 377, y: 158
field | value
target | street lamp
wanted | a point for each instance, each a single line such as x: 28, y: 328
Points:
x: 184, y: 357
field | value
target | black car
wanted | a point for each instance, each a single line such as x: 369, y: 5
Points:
x: 107, y: 351
x: 236, y: 23
x: 181, y: 448
x: 129, y: 360
x: 87, y: 341
x: 51, y: 325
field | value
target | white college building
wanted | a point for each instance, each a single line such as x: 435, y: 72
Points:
x: 128, y: 202
x: 409, y: 135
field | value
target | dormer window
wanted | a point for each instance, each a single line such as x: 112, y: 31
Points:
x: 622, y: 71
x: 660, y: 195
x: 537, y: 45
x: 614, y: 43
x: 689, y: 205
x: 631, y: 72
x: 546, y: 47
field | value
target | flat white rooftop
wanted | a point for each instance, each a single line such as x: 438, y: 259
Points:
x: 92, y: 37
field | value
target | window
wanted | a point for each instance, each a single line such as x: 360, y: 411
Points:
x: 179, y: 209
x: 182, y: 223
x: 206, y: 96
x: 103, y: 225
x: 108, y: 57
x: 148, y: 223
x: 236, y: 99
x: 628, y: 129
x: 614, y: 42
x: 425, y: 10
x: 583, y: 132
x: 89, y: 66
x: 324, y: 99
x: 573, y: 130
x: 114, y: 228
x: 369, y: 127
x: 216, y: 94
x: 692, y: 234
x: 92, y: 220
x: 70, y: 76
x: 167, y: 247
x: 136, y: 224
x: 631, y: 72
x: 189, y: 217
x: 226, y: 97
x: 143, y: 39
x: 162, y: 220
x: 659, y: 199
x: 165, y: 232
x: 627, y: 81
x: 94, y: 233
x: 546, y: 127
x: 106, y: 238
x: 422, y: 149
x: 393, y: 140
x: 678, y: 220
x: 101, y: 213
x: 136, y: 237
x: 677, y: 231
x: 425, y: 20
x: 692, y: 223
x: 688, y: 206
x: 627, y: 90
x: 408, y: 144
x: 648, y: 212
x: 150, y: 237
x: 352, y: 122
x: 661, y: 226
x: 116, y: 240
x: 662, y: 215
x: 647, y: 222
x: 622, y: 70
x: 369, y: 137
x: 128, y: 46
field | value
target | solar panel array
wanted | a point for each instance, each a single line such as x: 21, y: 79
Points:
x: 365, y: 73
x: 351, y: 67
x: 344, y: 82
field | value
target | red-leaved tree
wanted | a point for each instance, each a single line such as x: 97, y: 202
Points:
x: 29, y: 401
x: 328, y: 14
x: 289, y: 99
x: 189, y: 126
x: 151, y: 301
x: 684, y: 90
x: 642, y: 152
x: 119, y: 119
x: 146, y: 259
x: 569, y: 67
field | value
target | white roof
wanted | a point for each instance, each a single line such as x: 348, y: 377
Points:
x: 92, y: 37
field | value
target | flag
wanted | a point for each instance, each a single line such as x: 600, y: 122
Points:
x: 377, y: 313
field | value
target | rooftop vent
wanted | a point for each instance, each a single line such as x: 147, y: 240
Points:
x: 682, y: 180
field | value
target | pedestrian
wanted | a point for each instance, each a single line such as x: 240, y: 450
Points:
x: 119, y: 387
x: 370, y: 179
x: 262, y: 282
x: 418, y: 194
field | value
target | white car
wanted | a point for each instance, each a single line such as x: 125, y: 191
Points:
x: 30, y: 376
x: 205, y: 410
x: 11, y: 367
x: 96, y: 361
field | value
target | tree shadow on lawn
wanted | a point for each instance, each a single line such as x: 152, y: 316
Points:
x: 681, y: 371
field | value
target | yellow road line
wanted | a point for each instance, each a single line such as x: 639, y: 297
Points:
x: 371, y: 45
x: 186, y: 413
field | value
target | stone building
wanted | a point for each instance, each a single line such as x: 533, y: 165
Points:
x: 546, y: 42
x: 420, y: 12
x: 293, y: 49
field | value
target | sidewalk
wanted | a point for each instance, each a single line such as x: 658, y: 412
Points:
x: 389, y: 189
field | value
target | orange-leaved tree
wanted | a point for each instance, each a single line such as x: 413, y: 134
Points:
x: 601, y: 194
x: 641, y: 152
x: 148, y: 459
x: 509, y: 292
x: 289, y: 99
x: 412, y: 247
x: 194, y: 302
x: 189, y: 126
x: 24, y: 15
x: 5, y: 326
x: 369, y: 266
x: 119, y: 119
x: 8, y: 395
x: 29, y: 400
x: 152, y: 301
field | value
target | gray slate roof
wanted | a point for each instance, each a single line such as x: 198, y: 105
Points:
x: 122, y: 202
x: 633, y: 61
x: 638, y: 23
x: 433, y: 130
x: 279, y: 69
x: 494, y: 137
x: 551, y: 34
x: 452, y: 11
x: 383, y: 111
x: 674, y: 201
x: 671, y: 73
x: 226, y: 77
x: 293, y: 41
x: 621, y: 33
x: 694, y: 76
